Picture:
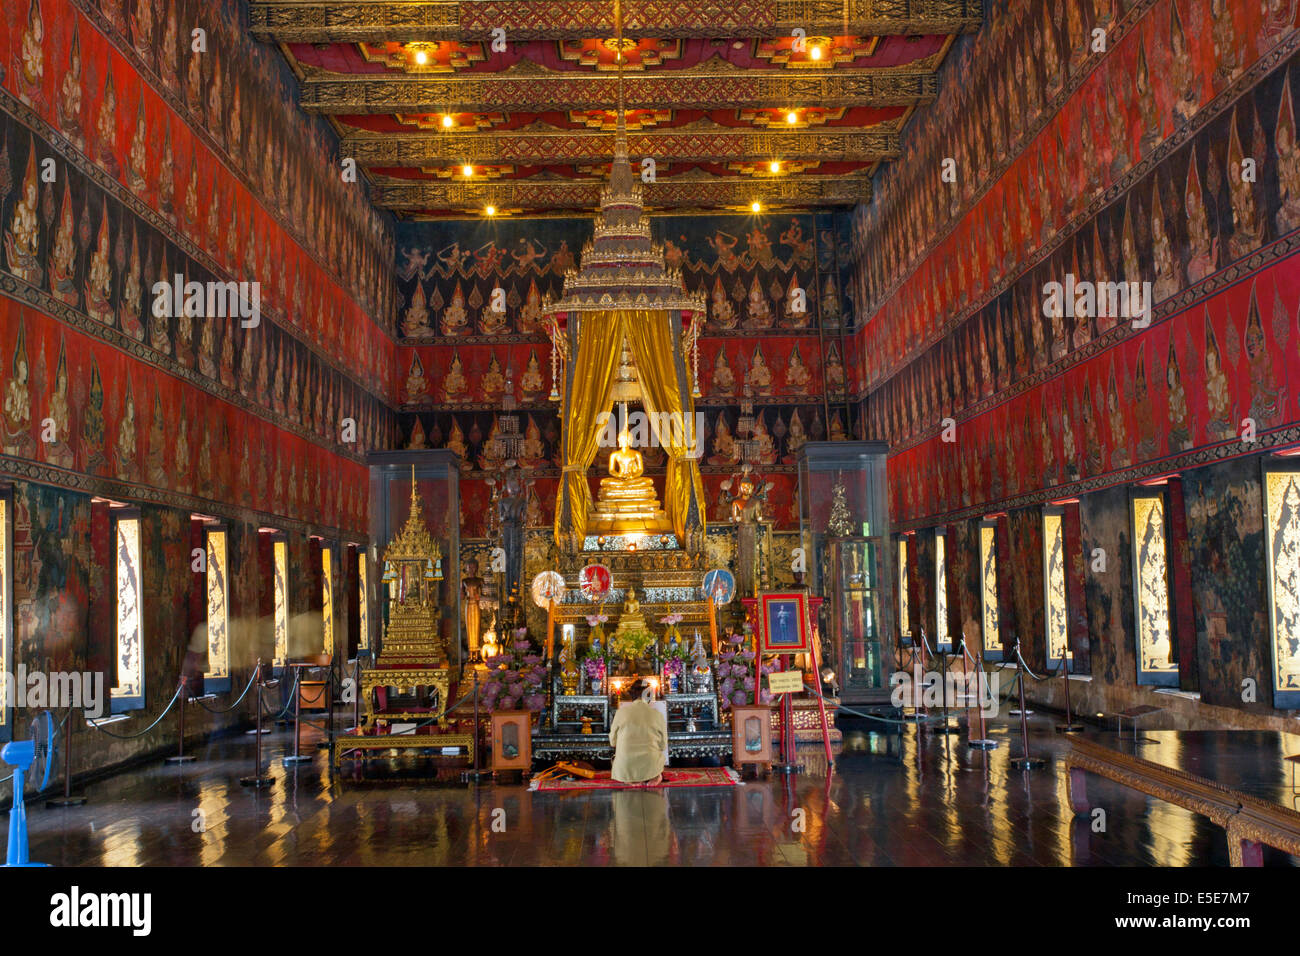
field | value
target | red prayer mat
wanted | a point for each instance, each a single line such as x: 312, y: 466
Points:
x: 687, y: 777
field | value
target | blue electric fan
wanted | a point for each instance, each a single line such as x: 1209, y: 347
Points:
x: 34, y: 756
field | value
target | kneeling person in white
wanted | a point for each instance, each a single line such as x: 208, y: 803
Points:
x: 640, y: 738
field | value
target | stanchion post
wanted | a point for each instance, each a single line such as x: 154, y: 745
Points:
x: 258, y: 779
x: 183, y: 693
x: 1024, y: 761
x: 945, y: 728
x: 297, y: 756
x: 67, y: 800
x: 1069, y: 727
x: 328, y: 690
x: 982, y: 742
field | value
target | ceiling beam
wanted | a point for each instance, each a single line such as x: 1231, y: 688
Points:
x: 739, y: 89
x: 669, y: 193
x: 672, y: 145
x: 351, y: 21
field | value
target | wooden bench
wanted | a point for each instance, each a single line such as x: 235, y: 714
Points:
x: 1250, y: 822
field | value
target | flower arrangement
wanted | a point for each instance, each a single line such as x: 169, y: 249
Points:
x: 734, y: 668
x: 630, y: 644
x: 516, y: 678
x: 671, y: 621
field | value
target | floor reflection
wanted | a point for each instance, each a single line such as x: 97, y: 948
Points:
x: 894, y: 799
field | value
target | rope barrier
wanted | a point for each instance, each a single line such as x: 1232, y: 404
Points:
x: 293, y: 690
x: 170, y: 704
x: 858, y: 713
x: 1050, y: 676
x: 226, y: 710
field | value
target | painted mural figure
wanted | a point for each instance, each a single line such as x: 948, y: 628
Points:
x: 417, y: 386
x: 759, y: 376
x: 127, y: 468
x: 758, y: 310
x: 92, y: 423
x: 454, y: 386
x: 1203, y: 249
x: 452, y: 258
x: 22, y: 237
x: 797, y: 376
x: 759, y: 247
x: 494, y: 383
x: 721, y: 313
x: 1247, y: 234
x: 723, y: 245
x: 724, y: 446
x: 137, y: 169
x: 99, y: 277
x: 834, y: 371
x: 106, y: 129
x: 532, y: 383
x: 415, y: 323
x: 724, y: 382
x: 455, y: 318
x: 1220, y: 426
x: 1287, y: 216
x: 1266, y: 400
x: 70, y: 93
x: 801, y: 249
x: 527, y: 258
x: 63, y: 264
x: 157, y: 455
x: 31, y: 74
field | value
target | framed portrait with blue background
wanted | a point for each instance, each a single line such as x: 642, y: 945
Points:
x: 785, y: 622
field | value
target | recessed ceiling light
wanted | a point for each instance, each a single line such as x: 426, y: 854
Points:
x: 447, y: 121
x: 792, y: 117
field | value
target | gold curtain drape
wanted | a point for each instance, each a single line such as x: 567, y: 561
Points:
x: 671, y: 410
x: 588, y: 395
x: 650, y: 336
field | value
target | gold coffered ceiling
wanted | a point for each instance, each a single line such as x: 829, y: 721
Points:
x: 791, y: 104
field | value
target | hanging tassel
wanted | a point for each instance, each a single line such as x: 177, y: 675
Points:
x: 555, y: 394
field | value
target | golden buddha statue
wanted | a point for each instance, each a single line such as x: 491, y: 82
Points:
x: 628, y: 502
x: 631, y: 637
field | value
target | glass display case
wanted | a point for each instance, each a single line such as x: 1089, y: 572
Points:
x: 844, y: 531
x: 437, y: 488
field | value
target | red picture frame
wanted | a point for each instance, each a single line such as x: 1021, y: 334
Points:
x: 783, y: 616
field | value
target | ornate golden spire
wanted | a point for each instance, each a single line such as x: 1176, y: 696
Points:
x: 413, y: 542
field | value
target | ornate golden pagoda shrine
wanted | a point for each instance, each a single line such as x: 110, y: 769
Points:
x: 625, y: 329
x: 413, y: 653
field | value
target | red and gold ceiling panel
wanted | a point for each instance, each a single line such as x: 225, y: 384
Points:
x: 446, y: 57
x: 447, y: 119
x: 815, y: 53
x: 634, y: 119
x: 458, y: 121
x: 631, y: 55
x: 861, y: 53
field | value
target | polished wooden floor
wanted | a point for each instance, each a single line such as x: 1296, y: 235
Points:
x: 894, y: 800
